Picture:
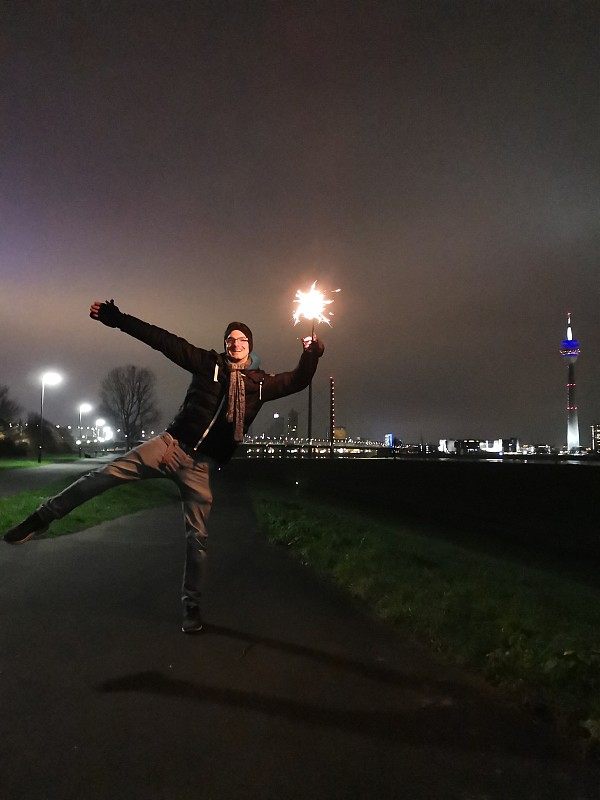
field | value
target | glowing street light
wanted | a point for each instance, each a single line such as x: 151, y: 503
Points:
x: 50, y: 378
x: 84, y: 408
x: 107, y: 434
x: 100, y: 423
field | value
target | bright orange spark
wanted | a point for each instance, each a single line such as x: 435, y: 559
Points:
x: 312, y: 305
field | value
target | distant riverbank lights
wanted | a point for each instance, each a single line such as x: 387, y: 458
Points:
x: 312, y: 305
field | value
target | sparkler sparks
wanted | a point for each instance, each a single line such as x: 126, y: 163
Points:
x: 312, y: 305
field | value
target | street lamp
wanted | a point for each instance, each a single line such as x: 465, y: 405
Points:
x: 50, y: 378
x: 84, y: 408
x: 100, y: 423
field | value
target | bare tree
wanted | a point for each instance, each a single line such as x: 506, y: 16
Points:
x: 9, y: 410
x: 129, y: 396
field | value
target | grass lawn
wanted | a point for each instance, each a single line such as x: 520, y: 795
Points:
x: 527, y: 630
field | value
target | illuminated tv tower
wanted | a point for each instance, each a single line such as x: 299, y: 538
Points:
x: 570, y: 351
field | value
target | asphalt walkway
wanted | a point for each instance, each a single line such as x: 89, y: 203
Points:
x: 293, y: 691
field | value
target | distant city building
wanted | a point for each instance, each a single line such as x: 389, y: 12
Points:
x: 459, y: 446
x: 339, y: 432
x: 292, y: 424
x: 277, y: 428
x: 470, y: 446
x: 596, y: 438
x: 570, y: 352
x: 466, y: 446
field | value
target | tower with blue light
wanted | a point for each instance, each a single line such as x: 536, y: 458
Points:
x: 570, y: 352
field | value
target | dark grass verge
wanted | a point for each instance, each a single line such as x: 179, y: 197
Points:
x: 532, y: 635
x: 128, y: 498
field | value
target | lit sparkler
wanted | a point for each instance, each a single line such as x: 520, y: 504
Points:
x: 312, y: 305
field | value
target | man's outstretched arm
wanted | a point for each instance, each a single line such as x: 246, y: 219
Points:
x: 178, y: 350
x: 285, y: 383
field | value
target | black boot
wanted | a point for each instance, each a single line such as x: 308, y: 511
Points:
x: 192, y: 619
x: 24, y: 531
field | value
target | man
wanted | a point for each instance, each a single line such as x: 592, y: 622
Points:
x: 226, y: 393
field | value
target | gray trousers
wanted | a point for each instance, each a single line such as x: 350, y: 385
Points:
x: 192, y: 478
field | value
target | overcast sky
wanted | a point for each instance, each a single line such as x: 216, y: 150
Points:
x: 201, y: 161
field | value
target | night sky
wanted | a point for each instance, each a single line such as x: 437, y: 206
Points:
x: 201, y: 161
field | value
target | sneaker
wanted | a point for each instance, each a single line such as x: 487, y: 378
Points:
x: 192, y: 621
x: 25, y: 530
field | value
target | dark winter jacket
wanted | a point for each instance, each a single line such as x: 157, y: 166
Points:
x: 210, y: 385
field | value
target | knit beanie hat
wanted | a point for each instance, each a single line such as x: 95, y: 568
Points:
x: 239, y: 326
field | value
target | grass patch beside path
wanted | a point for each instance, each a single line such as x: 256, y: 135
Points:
x: 125, y: 499
x: 535, y: 636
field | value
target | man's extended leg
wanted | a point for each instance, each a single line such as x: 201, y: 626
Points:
x: 86, y: 487
x: 196, y: 494
x: 139, y: 463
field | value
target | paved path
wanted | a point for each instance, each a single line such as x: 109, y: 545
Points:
x: 292, y: 693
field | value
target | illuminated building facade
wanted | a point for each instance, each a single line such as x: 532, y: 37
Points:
x: 292, y: 424
x: 570, y: 352
x: 596, y: 438
x: 277, y: 429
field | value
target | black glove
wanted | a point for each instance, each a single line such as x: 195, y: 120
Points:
x: 318, y: 347
x: 109, y: 314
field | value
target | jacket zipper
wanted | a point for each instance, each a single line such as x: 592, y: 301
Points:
x: 210, y: 424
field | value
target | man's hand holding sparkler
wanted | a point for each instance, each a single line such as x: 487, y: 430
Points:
x: 314, y: 345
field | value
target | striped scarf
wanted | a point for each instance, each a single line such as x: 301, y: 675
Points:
x: 236, y: 407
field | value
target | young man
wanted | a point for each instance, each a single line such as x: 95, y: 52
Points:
x: 226, y: 393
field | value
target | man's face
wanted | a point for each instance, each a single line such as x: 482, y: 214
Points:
x: 237, y: 346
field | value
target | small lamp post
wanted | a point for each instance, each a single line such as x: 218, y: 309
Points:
x: 84, y: 408
x: 50, y: 378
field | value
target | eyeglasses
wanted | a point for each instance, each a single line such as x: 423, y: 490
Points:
x: 231, y: 341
